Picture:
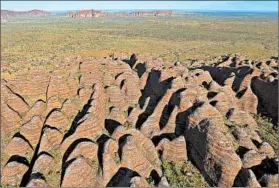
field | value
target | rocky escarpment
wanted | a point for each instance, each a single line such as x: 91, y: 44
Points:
x: 10, y: 13
x: 87, y: 14
x: 156, y: 13
x: 97, y: 13
x: 112, y: 121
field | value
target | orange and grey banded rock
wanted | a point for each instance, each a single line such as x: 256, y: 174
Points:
x: 139, y: 182
x: 17, y: 104
x: 139, y: 154
x: 37, y: 182
x: 52, y: 103
x: 243, y: 139
x: 109, y: 121
x: 13, y: 172
x: 37, y: 109
x: 10, y: 117
x: 252, y: 158
x: 216, y: 157
x: 176, y: 146
x: 58, y: 120
x: 269, y: 180
x: 110, y: 160
x: 79, y: 173
x: 18, y: 146
x: 43, y: 163
x: 266, y: 149
x: 246, y: 178
x: 51, y: 139
x: 31, y: 130
x: 87, y: 149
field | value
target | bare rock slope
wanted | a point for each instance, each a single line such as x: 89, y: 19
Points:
x: 97, y: 13
x: 10, y: 13
x: 112, y: 121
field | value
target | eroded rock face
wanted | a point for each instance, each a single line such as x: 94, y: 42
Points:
x: 10, y: 120
x: 158, y: 13
x: 175, y: 150
x: 246, y: 178
x: 86, y: 14
x: 37, y: 183
x: 32, y: 130
x: 50, y: 139
x: 110, y: 160
x: 137, y: 152
x: 9, y: 13
x: 97, y: 13
x: 139, y: 182
x: 269, y: 180
x: 79, y: 173
x: 13, y: 172
x: 267, y: 95
x: 252, y: 158
x: 43, y: 164
x: 111, y: 121
x: 18, y: 146
x: 212, y: 150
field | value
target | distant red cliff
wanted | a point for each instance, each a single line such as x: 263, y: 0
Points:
x: 97, y: 13
x: 86, y: 14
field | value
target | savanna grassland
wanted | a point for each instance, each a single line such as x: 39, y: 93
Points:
x: 44, y: 40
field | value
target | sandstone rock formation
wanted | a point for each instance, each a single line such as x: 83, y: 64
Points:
x: 96, y: 13
x: 86, y: 14
x: 10, y: 13
x: 157, y: 13
x: 112, y: 121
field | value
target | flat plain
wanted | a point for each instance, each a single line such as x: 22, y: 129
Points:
x: 48, y: 40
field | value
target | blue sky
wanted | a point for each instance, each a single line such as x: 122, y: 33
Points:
x: 102, y: 5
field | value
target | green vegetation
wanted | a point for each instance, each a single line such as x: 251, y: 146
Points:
x: 55, y: 153
x: 116, y: 158
x: 267, y: 131
x: 45, y: 40
x: 79, y: 74
x: 61, y: 100
x: 53, y: 176
x: 108, y: 105
x: 130, y: 125
x: 5, y: 139
x: 231, y: 127
x: 133, y: 105
x: 150, y: 181
x: 183, y: 174
x: 125, y: 113
x: 104, y: 131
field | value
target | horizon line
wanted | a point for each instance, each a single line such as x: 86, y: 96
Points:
x: 230, y: 10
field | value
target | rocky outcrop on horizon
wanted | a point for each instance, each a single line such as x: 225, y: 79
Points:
x: 147, y: 13
x: 87, y: 14
x: 10, y: 13
x: 112, y: 121
x: 96, y: 13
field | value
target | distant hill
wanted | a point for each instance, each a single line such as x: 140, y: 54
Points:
x: 87, y: 14
x: 10, y: 13
x: 97, y: 13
